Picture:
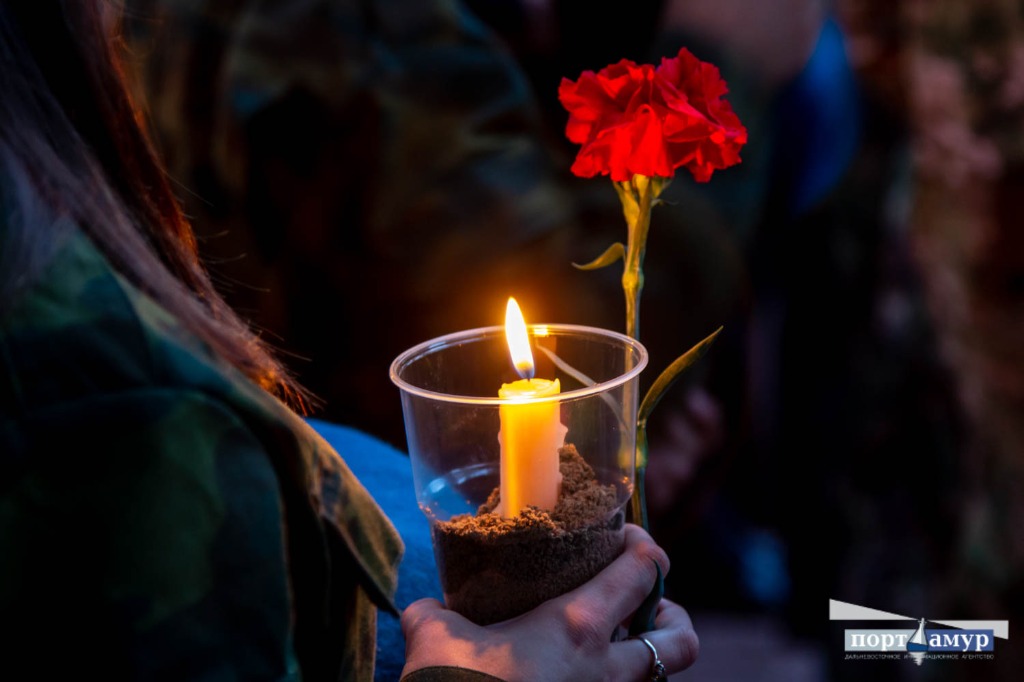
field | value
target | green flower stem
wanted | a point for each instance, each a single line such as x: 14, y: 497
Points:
x: 643, y: 191
x: 638, y: 502
x: 638, y: 196
x: 643, y: 619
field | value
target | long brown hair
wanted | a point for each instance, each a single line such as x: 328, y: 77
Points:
x: 72, y: 138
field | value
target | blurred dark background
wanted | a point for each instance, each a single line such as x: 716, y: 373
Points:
x: 365, y: 175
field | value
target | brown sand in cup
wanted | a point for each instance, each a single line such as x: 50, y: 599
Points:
x: 493, y: 568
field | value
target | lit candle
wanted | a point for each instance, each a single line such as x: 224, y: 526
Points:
x: 531, y: 432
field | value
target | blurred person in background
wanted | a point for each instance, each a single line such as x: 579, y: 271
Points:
x: 961, y: 93
x: 849, y: 398
x: 369, y: 175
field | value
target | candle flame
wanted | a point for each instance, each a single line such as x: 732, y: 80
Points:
x: 518, y: 340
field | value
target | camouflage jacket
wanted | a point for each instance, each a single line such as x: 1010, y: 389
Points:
x: 160, y: 516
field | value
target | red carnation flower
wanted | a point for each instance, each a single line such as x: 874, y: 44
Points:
x: 638, y: 124
x: 641, y: 120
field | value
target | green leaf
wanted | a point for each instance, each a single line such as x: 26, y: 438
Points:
x: 671, y: 373
x: 613, y: 253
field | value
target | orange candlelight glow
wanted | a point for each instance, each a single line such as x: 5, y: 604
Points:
x: 531, y: 432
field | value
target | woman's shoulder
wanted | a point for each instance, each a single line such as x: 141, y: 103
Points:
x: 80, y: 328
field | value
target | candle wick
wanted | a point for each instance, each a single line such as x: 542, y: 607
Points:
x: 525, y: 370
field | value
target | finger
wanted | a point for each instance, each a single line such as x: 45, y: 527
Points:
x: 618, y: 590
x: 637, y: 539
x: 674, y: 639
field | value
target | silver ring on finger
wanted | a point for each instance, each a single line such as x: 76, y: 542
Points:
x: 657, y: 667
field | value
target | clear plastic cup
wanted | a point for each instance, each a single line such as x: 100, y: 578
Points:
x: 493, y: 565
